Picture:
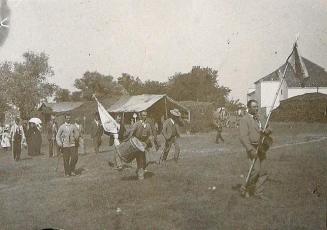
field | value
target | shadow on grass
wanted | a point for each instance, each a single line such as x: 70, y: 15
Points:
x: 26, y: 158
x: 79, y: 171
x: 134, y: 177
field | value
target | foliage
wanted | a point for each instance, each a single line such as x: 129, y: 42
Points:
x: 234, y: 105
x: 132, y: 85
x: 200, y: 84
x: 62, y: 95
x: 99, y: 84
x: 26, y: 83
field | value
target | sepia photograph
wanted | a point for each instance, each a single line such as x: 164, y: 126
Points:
x: 163, y: 115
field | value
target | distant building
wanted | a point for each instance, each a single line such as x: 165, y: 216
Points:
x: 266, y: 87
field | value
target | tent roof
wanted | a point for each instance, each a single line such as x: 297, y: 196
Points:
x: 61, y: 106
x: 139, y: 103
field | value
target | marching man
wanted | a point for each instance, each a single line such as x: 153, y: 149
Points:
x: 170, y: 131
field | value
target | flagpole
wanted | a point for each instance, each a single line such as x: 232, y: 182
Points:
x: 270, y: 112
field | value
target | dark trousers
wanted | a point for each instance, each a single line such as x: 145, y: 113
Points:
x: 96, y: 144
x: 70, y: 157
x: 52, y: 148
x: 168, y: 144
x: 218, y: 136
x: 258, y: 176
x: 16, y: 149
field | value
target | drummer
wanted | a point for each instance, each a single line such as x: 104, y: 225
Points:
x: 142, y: 131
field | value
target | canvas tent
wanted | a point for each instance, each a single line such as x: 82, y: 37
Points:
x: 157, y: 106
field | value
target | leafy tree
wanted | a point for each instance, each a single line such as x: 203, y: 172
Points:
x: 200, y: 84
x: 5, y: 74
x: 133, y: 86
x: 26, y: 82
x: 154, y: 87
x: 234, y: 105
x: 62, y: 95
x: 76, y: 96
x: 99, y: 84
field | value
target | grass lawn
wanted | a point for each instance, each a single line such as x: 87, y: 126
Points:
x: 173, y: 195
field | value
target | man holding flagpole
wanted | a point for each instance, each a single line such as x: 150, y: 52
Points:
x: 260, y: 135
x: 250, y: 136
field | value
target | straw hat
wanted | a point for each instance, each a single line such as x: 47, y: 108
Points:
x: 175, y: 112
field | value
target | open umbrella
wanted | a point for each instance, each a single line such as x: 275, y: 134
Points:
x: 35, y: 120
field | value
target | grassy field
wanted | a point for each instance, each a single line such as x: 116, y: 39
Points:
x: 173, y: 195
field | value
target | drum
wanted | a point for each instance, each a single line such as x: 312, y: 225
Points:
x: 129, y: 149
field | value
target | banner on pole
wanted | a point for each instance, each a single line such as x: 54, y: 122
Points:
x: 298, y: 65
x: 108, y: 122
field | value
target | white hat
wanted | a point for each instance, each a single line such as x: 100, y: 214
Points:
x: 175, y: 112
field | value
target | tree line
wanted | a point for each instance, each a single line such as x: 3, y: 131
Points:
x: 24, y: 84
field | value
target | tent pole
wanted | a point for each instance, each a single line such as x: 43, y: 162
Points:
x: 166, y: 107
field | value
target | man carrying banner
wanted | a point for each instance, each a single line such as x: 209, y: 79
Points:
x: 251, y: 135
x: 96, y: 132
x: 112, y: 128
x: 255, y: 137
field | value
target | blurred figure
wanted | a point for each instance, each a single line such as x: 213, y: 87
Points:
x: 5, y: 140
x: 18, y: 138
x: 52, y: 130
x: 80, y: 142
x: 34, y: 140
x: 96, y: 132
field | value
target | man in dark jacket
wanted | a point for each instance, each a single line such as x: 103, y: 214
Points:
x: 142, y: 131
x: 52, y: 130
x: 170, y: 131
x: 96, y: 132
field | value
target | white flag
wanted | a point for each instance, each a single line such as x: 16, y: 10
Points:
x: 298, y: 65
x: 108, y: 122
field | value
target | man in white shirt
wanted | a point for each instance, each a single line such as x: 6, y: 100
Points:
x: 66, y: 138
x: 18, y: 138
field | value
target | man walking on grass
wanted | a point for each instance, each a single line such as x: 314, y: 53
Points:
x: 170, y: 131
x: 66, y: 138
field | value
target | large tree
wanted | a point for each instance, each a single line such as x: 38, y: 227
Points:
x: 200, y: 84
x: 99, y: 84
x: 132, y: 85
x: 26, y: 82
x: 62, y: 95
x: 5, y: 78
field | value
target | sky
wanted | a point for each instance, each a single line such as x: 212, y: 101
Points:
x: 154, y: 39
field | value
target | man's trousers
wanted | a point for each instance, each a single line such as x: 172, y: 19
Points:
x: 70, y: 156
x: 168, y: 144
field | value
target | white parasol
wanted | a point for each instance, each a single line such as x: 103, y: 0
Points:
x: 35, y: 120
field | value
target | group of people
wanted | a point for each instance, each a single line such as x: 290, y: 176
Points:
x: 68, y: 139
x: 21, y: 134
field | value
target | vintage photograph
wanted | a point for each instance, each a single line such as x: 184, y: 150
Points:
x: 163, y: 115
